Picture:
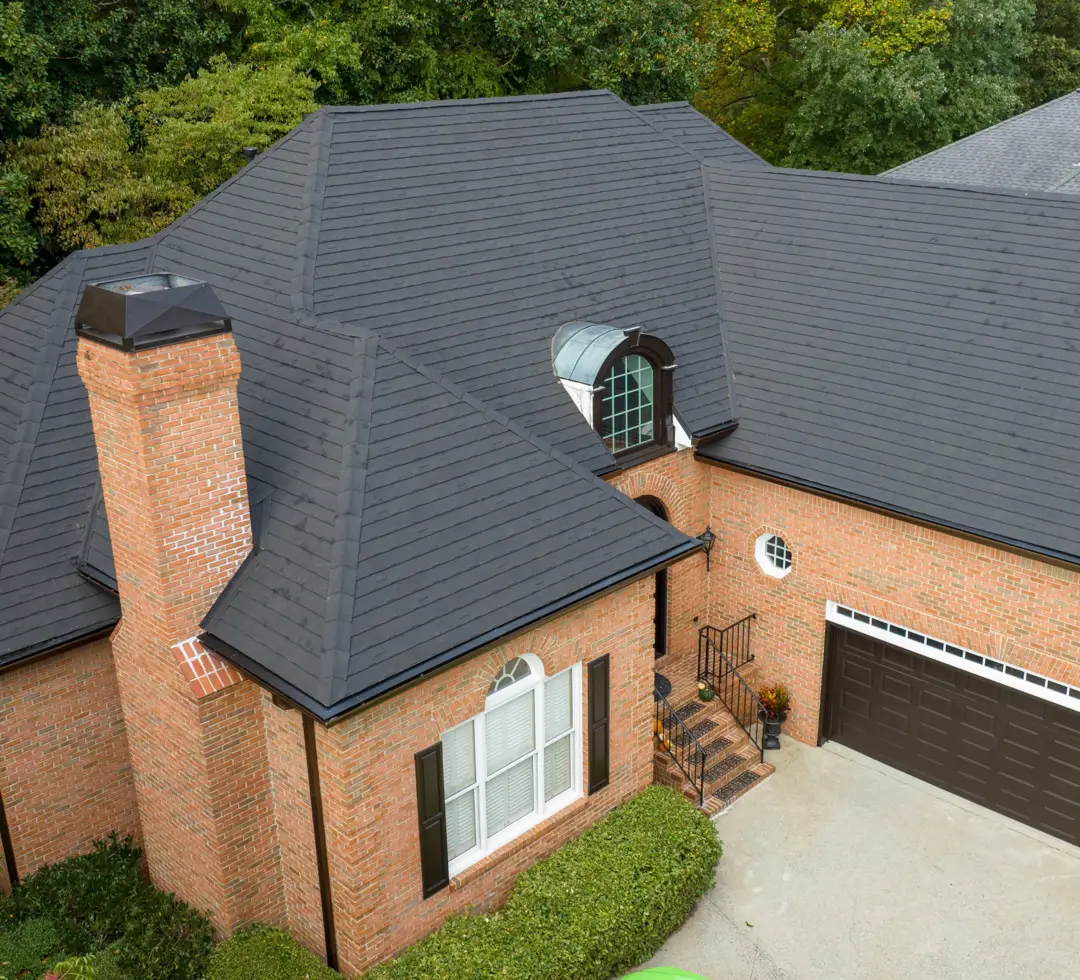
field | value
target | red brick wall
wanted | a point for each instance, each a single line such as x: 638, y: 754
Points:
x: 302, y: 912
x: 1000, y: 604
x: 167, y: 431
x: 65, y: 775
x: 369, y: 785
x: 681, y: 484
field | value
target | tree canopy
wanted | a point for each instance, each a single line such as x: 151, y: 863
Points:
x: 116, y: 115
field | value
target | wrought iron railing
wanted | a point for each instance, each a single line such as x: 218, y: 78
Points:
x: 680, y: 742
x: 720, y: 655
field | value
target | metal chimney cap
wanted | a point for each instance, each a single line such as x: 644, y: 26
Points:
x: 143, y: 312
x: 250, y: 153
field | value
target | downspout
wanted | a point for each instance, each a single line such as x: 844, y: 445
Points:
x: 321, y: 858
x: 9, y: 851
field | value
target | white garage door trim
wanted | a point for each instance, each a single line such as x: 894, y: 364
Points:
x: 998, y: 671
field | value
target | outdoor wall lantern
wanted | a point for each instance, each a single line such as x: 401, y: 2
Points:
x: 707, y: 538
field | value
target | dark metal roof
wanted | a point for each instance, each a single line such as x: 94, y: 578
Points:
x: 1038, y: 150
x: 908, y: 346
x: 430, y: 524
x: 578, y: 350
x: 700, y: 135
x: 437, y: 247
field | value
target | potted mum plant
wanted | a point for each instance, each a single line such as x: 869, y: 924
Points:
x: 705, y: 692
x: 775, y: 703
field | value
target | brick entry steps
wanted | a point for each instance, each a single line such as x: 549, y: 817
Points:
x: 732, y: 763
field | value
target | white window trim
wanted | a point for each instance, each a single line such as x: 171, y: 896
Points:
x: 765, y: 562
x: 959, y: 660
x: 544, y: 809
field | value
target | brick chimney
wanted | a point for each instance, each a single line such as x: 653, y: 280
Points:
x: 157, y: 357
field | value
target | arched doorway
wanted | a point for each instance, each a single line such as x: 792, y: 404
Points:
x: 660, y: 592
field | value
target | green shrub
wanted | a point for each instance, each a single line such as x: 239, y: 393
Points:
x: 266, y: 954
x: 26, y: 947
x: 87, y: 897
x: 164, y: 939
x: 597, y: 907
x: 99, y: 904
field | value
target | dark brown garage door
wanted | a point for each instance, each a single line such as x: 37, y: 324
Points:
x: 995, y: 745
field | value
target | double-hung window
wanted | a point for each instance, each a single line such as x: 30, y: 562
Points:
x: 516, y: 763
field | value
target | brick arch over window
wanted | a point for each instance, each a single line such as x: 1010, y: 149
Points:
x: 675, y: 498
x: 484, y: 667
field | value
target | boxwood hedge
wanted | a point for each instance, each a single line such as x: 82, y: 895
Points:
x: 595, y: 908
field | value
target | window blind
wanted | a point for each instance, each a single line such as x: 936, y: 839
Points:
x: 511, y: 732
x: 510, y: 795
x: 459, y: 759
x: 461, y: 824
x: 557, y: 767
x: 558, y: 706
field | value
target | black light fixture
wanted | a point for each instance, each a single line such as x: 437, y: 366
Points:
x: 707, y: 538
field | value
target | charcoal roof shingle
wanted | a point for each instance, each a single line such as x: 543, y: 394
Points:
x: 1038, y: 150
x: 909, y: 346
x: 454, y: 242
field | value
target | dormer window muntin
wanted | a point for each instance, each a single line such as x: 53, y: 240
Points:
x: 628, y: 406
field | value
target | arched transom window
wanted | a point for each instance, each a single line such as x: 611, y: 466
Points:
x: 515, y: 763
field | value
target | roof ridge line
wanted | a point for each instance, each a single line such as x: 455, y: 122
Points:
x: 307, y: 231
x: 348, y: 522
x: 520, y: 431
x: 22, y: 446
x: 480, y: 100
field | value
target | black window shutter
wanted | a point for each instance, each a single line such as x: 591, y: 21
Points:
x: 599, y: 724
x: 431, y: 805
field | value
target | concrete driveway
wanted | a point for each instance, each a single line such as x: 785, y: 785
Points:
x: 839, y: 868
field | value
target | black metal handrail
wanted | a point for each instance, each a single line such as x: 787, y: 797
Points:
x: 720, y: 654
x: 680, y: 743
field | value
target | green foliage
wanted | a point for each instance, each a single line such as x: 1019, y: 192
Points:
x: 25, y: 947
x: 74, y: 968
x: 1052, y: 52
x: 86, y: 897
x: 862, y: 85
x: 598, y: 906
x: 123, y: 171
x: 164, y: 939
x: 97, y: 908
x: 267, y: 954
x: 26, y: 92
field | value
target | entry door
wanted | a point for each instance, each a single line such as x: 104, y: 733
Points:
x: 993, y: 744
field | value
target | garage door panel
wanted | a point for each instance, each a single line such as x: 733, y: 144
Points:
x: 996, y: 745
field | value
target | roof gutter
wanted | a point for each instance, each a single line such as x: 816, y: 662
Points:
x: 51, y: 647
x: 1013, y: 546
x: 338, y: 711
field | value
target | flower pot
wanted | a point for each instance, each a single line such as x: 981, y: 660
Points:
x: 772, y: 729
x: 706, y: 694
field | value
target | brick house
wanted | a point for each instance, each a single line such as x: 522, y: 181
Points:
x: 365, y: 533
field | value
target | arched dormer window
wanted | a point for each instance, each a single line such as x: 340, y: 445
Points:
x: 620, y: 380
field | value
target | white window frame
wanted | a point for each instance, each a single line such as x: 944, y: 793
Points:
x: 765, y: 561
x: 952, y: 655
x: 535, y: 686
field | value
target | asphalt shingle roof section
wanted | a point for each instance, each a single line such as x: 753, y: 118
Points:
x: 681, y: 122
x: 1038, y: 150
x: 462, y: 235
x: 443, y: 524
x: 909, y: 346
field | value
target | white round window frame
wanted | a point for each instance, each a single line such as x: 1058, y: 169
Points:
x: 763, y: 560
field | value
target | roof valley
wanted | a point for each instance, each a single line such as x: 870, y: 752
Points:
x: 37, y: 396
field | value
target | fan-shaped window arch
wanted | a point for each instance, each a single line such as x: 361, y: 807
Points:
x: 515, y: 763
